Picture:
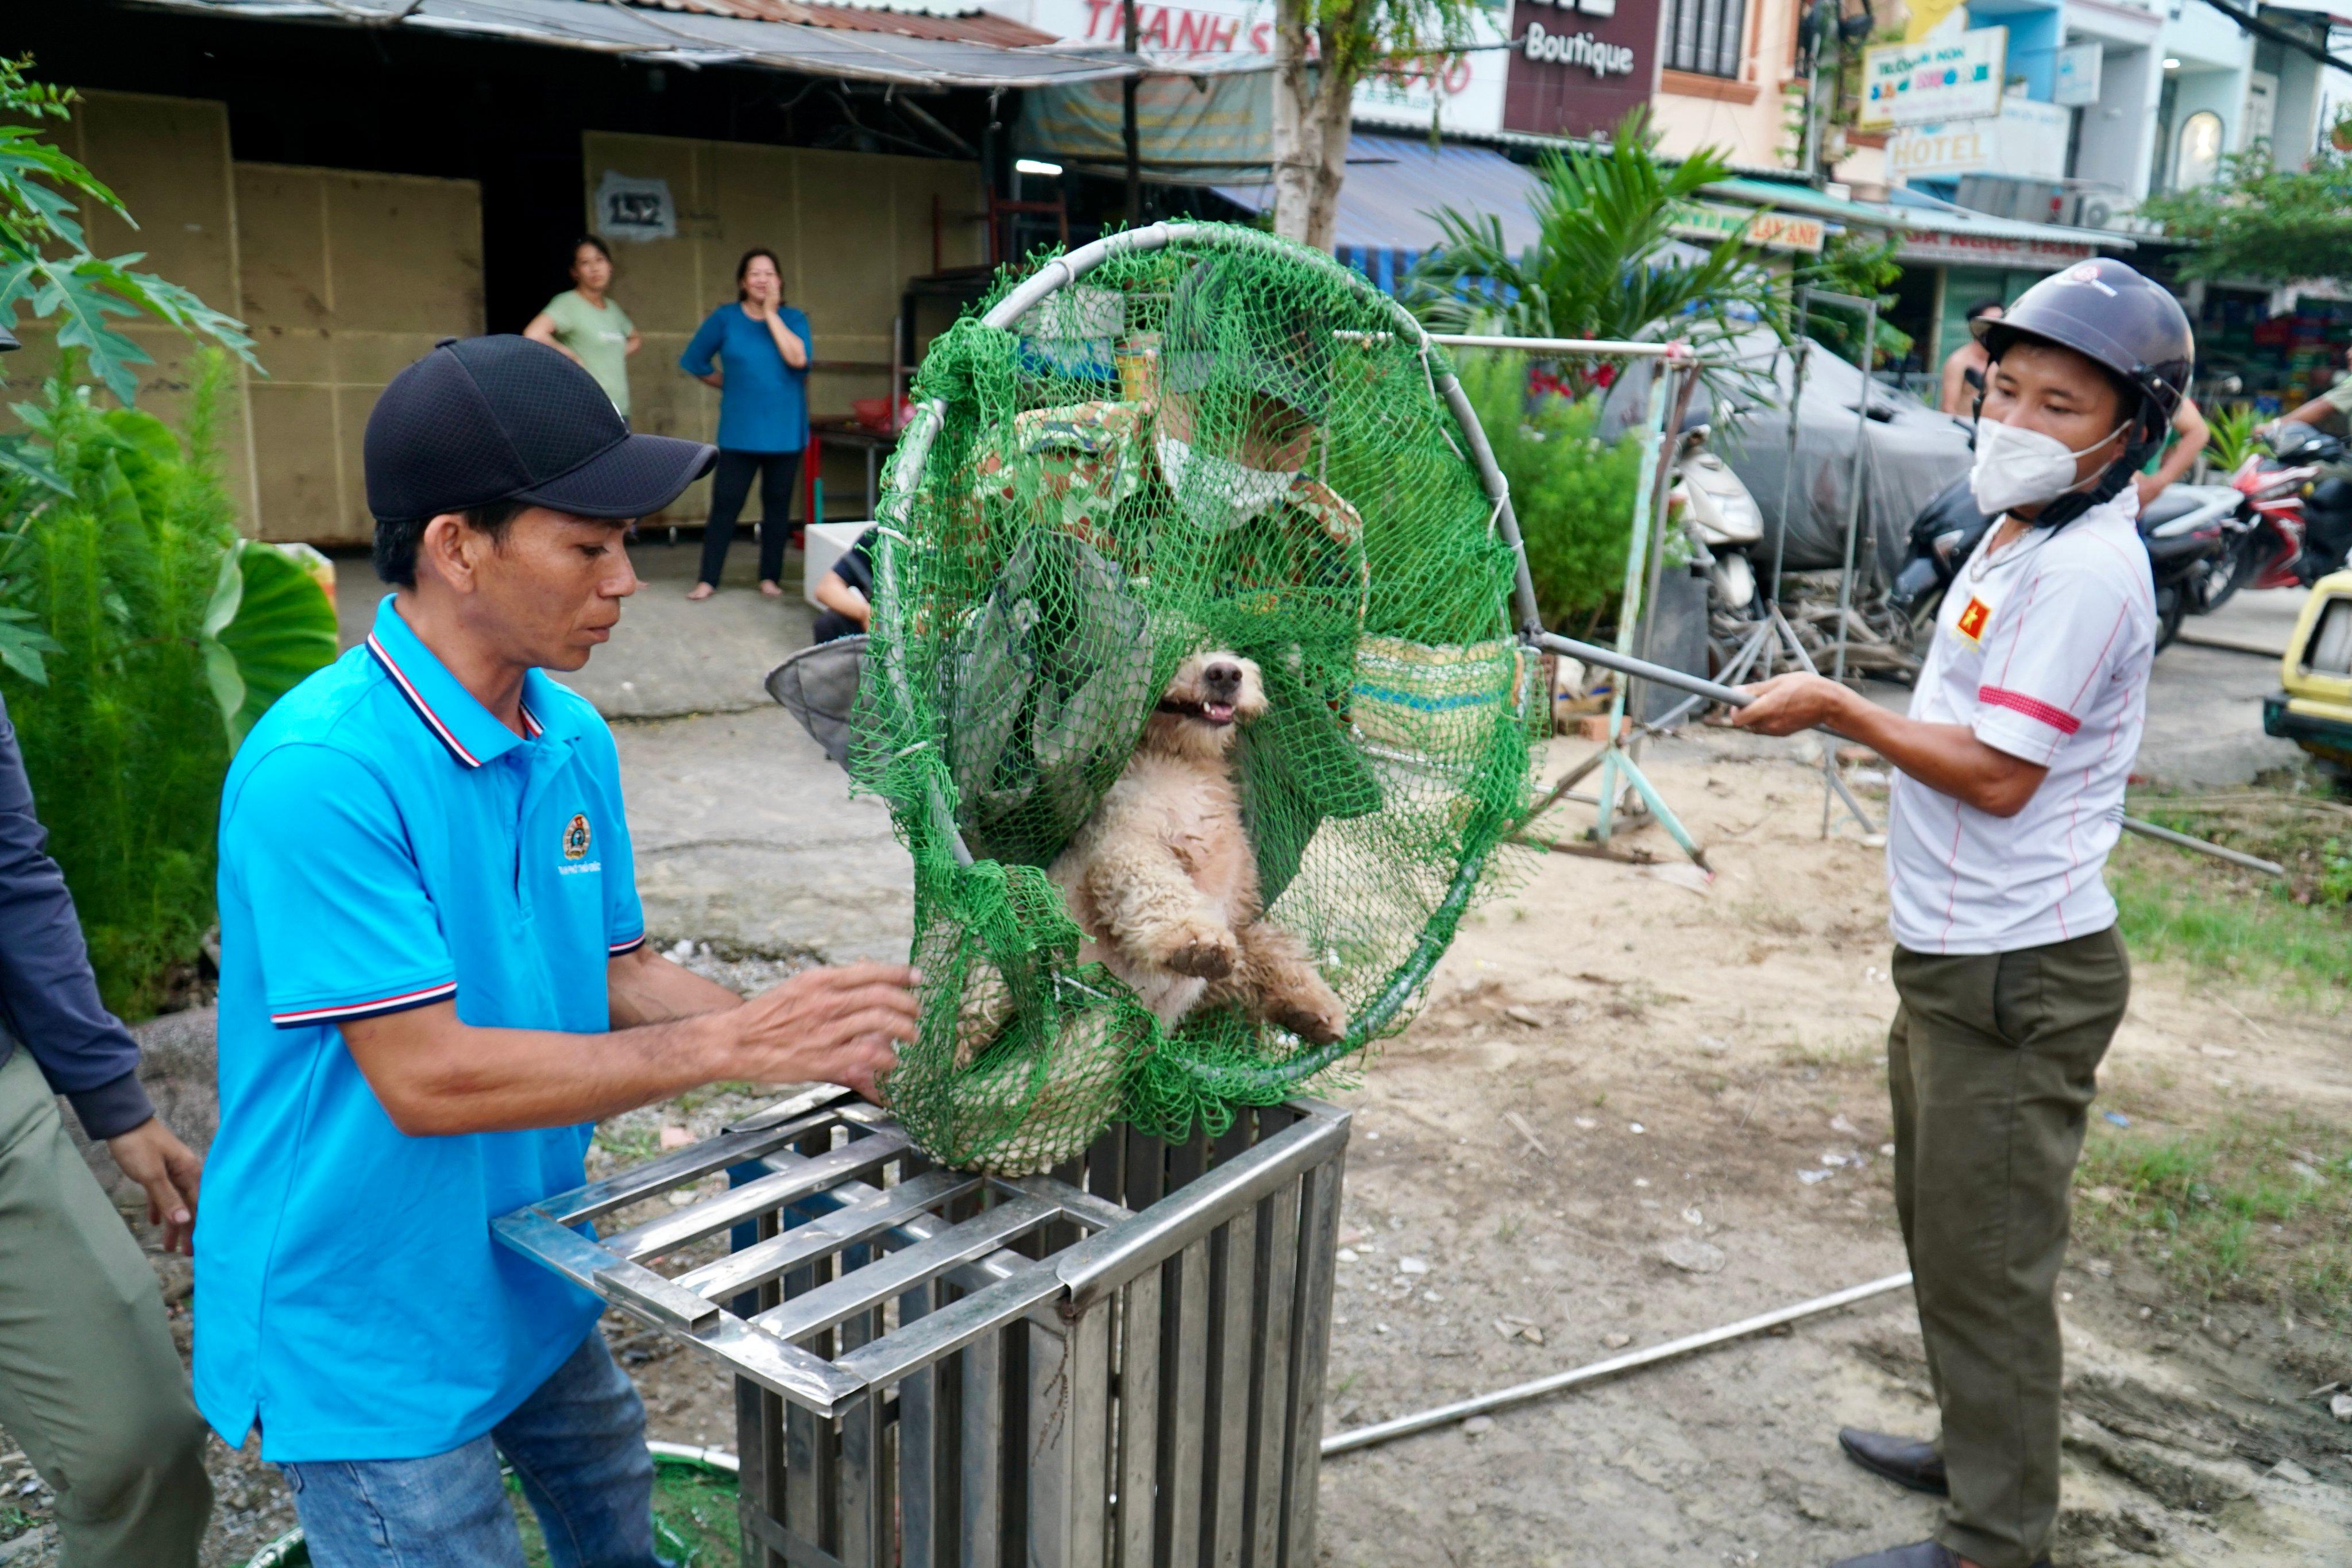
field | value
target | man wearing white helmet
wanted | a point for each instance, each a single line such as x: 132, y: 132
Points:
x: 2009, y: 796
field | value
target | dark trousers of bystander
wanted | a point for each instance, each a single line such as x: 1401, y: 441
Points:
x: 1992, y: 1063
x: 730, y: 485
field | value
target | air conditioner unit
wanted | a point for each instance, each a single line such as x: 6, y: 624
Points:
x: 2096, y: 212
x: 2033, y: 200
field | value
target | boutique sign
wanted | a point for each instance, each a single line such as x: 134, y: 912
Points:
x: 1578, y: 65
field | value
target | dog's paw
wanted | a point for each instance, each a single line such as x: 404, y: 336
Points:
x: 1205, y: 952
x: 1319, y: 1022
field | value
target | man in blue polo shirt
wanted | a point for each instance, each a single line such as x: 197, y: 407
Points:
x: 434, y: 977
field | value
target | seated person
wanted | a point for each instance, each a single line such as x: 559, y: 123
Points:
x: 846, y: 592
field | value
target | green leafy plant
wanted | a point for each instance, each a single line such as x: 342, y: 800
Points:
x: 1605, y: 264
x: 1573, y: 496
x: 46, y: 262
x: 2258, y: 222
x: 1863, y: 270
x: 156, y: 636
x: 2231, y: 428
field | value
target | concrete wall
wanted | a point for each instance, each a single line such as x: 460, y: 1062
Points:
x: 1745, y: 117
x: 2117, y: 143
x: 850, y: 228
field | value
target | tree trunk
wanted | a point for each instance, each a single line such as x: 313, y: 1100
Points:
x: 1329, y: 120
x: 1295, y: 158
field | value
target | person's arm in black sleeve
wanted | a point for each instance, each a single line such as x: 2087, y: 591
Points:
x: 49, y: 998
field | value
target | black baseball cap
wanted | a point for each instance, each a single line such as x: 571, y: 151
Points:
x: 501, y: 418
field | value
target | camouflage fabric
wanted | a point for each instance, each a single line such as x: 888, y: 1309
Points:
x: 1087, y: 461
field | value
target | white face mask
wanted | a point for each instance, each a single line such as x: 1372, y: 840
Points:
x: 2017, y: 467
x: 1244, y: 491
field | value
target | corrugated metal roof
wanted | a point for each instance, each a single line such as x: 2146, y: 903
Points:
x: 972, y: 26
x: 695, y: 38
x: 1394, y: 182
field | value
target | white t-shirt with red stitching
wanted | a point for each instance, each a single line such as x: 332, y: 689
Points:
x: 2042, y: 649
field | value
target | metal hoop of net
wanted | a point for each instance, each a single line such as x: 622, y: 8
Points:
x: 1179, y: 438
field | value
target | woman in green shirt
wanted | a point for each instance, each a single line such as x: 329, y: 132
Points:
x: 581, y: 323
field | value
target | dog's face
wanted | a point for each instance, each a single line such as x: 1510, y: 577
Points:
x: 1212, y: 695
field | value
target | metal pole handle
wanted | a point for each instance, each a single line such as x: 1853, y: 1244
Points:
x: 1642, y: 669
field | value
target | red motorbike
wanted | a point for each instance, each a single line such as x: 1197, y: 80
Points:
x: 2292, y: 527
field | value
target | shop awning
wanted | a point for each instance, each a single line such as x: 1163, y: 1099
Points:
x: 1938, y: 232
x: 692, y: 38
x: 1394, y: 182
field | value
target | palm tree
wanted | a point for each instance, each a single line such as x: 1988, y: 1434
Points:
x: 1604, y: 263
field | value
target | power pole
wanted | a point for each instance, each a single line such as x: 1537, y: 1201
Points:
x: 1128, y: 127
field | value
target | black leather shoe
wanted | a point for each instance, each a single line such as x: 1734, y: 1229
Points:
x: 1919, y: 1554
x: 1906, y: 1461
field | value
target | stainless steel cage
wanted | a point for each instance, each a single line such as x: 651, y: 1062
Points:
x: 1120, y: 1362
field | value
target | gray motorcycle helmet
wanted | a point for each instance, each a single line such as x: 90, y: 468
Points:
x: 2108, y: 314
x: 2132, y: 328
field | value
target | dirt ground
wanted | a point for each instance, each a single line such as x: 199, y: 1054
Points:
x: 1637, y: 1105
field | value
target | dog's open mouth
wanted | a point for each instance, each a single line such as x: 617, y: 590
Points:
x: 1207, y: 712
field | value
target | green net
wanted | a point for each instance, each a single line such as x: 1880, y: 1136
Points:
x: 1192, y: 688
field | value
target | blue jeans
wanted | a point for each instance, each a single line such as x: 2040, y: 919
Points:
x: 577, y: 1445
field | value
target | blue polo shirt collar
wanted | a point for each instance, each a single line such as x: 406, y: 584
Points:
x: 470, y: 734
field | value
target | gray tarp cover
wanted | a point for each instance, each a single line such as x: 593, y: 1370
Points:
x: 1913, y: 452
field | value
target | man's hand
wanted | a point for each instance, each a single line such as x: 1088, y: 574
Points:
x: 1787, y: 703
x: 827, y: 1026
x: 2148, y: 487
x: 169, y: 1170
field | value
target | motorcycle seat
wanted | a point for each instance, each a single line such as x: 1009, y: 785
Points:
x: 2176, y: 501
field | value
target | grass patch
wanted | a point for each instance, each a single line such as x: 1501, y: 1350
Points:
x: 2252, y: 1211
x: 2295, y: 937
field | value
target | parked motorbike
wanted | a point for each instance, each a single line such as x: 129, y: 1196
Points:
x: 2291, y: 526
x: 1721, y: 517
x: 2185, y: 531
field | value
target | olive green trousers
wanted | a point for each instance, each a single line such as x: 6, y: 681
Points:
x: 90, y: 1386
x: 1992, y: 1063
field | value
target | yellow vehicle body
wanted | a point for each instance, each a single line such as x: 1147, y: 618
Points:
x: 2314, y: 707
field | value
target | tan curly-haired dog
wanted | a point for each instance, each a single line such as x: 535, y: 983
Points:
x: 1162, y: 878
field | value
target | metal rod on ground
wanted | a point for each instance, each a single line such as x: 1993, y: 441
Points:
x: 1608, y: 659
x: 2183, y: 840
x: 1519, y: 1393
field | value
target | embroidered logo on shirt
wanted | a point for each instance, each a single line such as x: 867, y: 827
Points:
x: 1971, y: 626
x: 575, y: 836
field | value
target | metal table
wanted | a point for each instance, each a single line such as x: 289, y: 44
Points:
x: 844, y: 433
x: 1120, y: 1362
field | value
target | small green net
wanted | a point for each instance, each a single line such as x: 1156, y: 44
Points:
x: 1223, y: 442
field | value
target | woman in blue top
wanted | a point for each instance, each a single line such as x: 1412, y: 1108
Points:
x: 763, y: 348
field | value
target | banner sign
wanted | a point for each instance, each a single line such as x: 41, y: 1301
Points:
x: 1712, y: 223
x: 1984, y: 250
x: 1462, y: 92
x: 1579, y: 64
x: 1938, y: 81
x: 2078, y: 73
x: 632, y: 208
x: 1207, y: 131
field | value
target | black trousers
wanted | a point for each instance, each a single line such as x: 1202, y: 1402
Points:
x: 731, y: 483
